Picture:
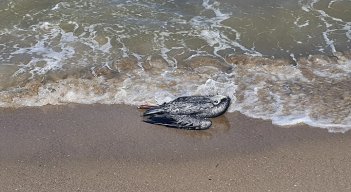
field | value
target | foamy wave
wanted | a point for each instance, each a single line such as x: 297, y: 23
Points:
x: 57, y: 47
x: 259, y: 87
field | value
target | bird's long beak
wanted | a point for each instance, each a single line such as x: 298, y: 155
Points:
x: 146, y: 106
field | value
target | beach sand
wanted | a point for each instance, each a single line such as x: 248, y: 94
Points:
x: 109, y: 148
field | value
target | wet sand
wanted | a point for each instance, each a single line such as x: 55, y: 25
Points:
x: 109, y: 148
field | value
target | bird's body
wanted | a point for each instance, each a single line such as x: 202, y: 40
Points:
x: 189, y: 112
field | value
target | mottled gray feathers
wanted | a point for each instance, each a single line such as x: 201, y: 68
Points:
x: 179, y: 121
x: 188, y: 112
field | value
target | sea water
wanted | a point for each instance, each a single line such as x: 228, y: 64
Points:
x: 288, y: 61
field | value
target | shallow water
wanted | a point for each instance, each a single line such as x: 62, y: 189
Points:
x: 286, y: 60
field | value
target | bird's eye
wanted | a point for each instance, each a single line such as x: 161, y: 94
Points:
x: 216, y: 102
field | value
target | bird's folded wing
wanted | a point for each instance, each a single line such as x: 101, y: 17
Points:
x: 179, y: 108
x: 188, y: 108
x: 179, y: 121
x: 193, y: 99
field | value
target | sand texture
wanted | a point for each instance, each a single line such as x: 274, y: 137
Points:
x: 108, y: 148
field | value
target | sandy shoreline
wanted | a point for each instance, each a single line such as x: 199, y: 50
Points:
x: 109, y: 148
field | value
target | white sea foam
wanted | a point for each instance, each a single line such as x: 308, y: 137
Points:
x: 52, y: 58
x: 327, y: 20
x: 297, y: 21
x: 211, y: 31
x: 55, y: 48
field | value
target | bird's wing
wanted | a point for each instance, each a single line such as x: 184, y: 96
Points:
x: 180, y: 108
x: 189, y: 107
x: 193, y: 99
x: 179, y: 121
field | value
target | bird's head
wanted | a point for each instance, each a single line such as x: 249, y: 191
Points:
x: 220, y: 99
x: 221, y: 104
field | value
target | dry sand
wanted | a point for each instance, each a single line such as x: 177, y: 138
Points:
x: 108, y: 148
